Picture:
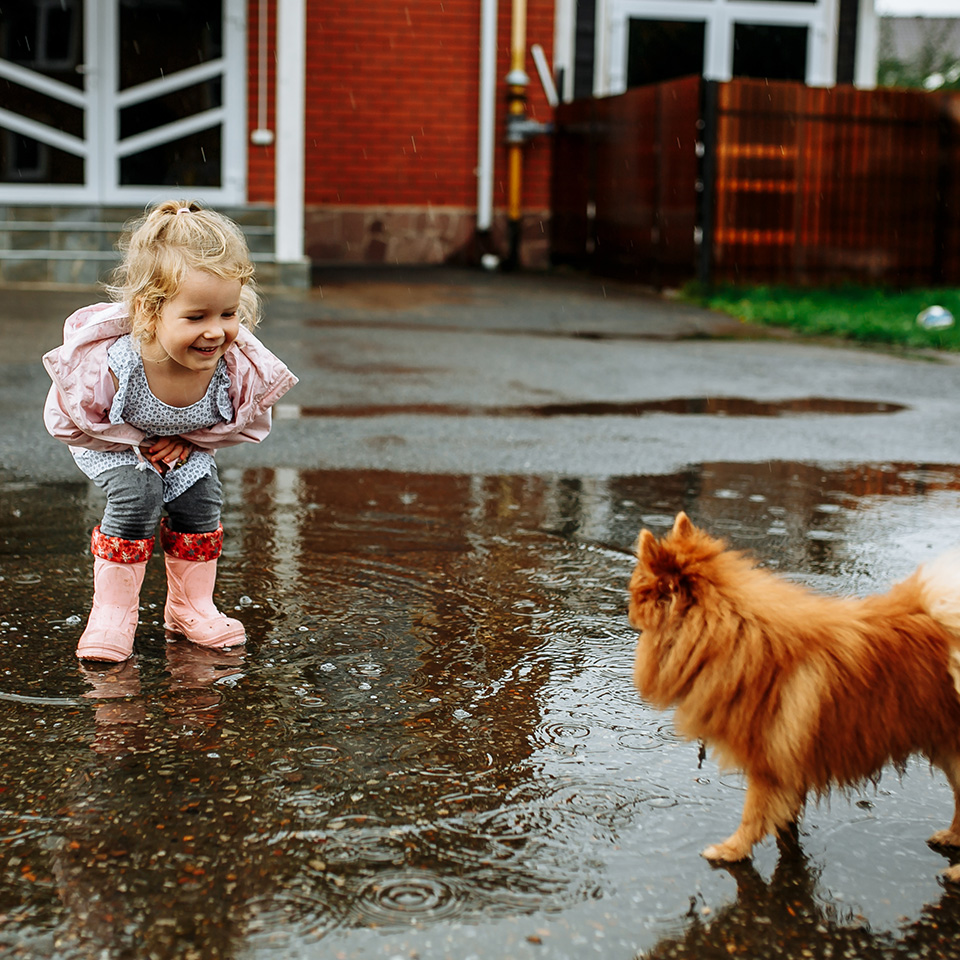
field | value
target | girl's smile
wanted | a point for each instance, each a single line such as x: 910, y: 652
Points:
x: 196, y: 327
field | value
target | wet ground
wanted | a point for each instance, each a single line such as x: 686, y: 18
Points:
x: 430, y: 746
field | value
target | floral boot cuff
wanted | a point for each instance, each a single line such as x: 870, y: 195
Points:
x: 191, y: 546
x: 118, y: 550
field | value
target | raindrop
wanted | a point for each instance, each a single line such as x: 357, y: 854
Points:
x: 407, y: 899
x: 319, y: 756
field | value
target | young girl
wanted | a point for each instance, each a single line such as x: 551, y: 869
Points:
x: 145, y: 390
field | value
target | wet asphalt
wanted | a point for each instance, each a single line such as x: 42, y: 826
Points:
x: 446, y: 371
x: 430, y: 746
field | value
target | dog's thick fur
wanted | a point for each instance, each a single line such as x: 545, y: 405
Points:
x: 799, y: 691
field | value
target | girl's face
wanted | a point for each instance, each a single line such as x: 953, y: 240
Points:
x: 195, y: 327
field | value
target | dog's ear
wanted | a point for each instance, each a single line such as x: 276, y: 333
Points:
x: 682, y: 527
x: 646, y: 547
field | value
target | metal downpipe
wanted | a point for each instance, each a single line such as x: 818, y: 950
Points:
x: 487, y: 115
x: 517, y: 83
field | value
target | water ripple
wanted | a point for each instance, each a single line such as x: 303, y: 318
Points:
x: 407, y: 897
x: 287, y: 919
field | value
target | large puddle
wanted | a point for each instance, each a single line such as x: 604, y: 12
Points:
x: 431, y: 746
x: 696, y: 406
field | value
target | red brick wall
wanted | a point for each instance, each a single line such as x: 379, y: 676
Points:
x: 392, y: 103
x: 260, y: 159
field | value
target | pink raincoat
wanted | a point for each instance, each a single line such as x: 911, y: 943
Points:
x: 77, y: 409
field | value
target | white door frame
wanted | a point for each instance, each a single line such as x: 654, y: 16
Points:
x: 719, y: 17
x: 101, y: 100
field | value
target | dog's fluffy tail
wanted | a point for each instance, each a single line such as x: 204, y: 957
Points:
x: 940, y: 595
x: 940, y: 590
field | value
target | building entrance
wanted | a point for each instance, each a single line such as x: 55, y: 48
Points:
x: 117, y: 102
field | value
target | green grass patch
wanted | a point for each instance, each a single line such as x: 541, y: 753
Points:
x: 861, y: 314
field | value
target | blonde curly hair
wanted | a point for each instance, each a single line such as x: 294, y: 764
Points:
x: 169, y: 240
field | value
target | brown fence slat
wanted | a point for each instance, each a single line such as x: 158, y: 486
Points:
x: 625, y: 170
x: 804, y: 185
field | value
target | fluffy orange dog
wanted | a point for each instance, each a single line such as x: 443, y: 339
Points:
x: 798, y: 690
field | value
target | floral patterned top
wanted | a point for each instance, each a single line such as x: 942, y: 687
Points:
x: 134, y: 403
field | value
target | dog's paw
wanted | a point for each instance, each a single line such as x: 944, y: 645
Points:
x: 945, y: 838
x: 725, y: 853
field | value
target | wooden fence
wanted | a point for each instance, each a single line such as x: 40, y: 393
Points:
x: 760, y: 181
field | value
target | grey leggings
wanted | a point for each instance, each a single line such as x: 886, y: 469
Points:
x: 135, y: 502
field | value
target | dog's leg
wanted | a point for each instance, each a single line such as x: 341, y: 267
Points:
x: 767, y: 808
x: 951, y: 836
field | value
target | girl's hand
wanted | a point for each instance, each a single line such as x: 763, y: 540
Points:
x: 168, y: 452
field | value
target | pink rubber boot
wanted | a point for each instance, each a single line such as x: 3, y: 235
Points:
x: 118, y: 569
x: 191, y: 560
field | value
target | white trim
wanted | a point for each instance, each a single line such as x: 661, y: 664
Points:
x: 564, y: 38
x: 822, y: 46
x: 718, y: 49
x: 171, y: 82
x: 868, y: 46
x: 170, y: 131
x: 105, y: 175
x: 45, y: 134
x: 487, y: 113
x: 234, y: 146
x: 46, y: 85
x: 606, y: 48
x: 719, y: 18
x: 546, y: 76
x: 291, y: 103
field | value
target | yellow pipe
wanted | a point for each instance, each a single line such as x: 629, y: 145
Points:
x: 517, y: 98
x: 518, y: 35
x: 514, y: 180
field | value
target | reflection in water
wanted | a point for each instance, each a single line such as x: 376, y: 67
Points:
x: 697, y: 406
x: 431, y: 728
x: 788, y: 913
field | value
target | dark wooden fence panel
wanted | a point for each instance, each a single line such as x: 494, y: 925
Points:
x: 947, y: 224
x: 678, y: 211
x: 789, y: 183
x: 820, y: 185
x: 571, y: 183
x: 623, y: 184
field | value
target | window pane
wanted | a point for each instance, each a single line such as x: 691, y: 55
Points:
x: 38, y: 106
x: 25, y: 160
x: 176, y: 105
x: 663, y: 49
x: 768, y: 52
x: 192, y: 161
x: 160, y: 37
x: 45, y: 37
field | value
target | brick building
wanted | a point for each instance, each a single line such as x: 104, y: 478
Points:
x: 387, y: 119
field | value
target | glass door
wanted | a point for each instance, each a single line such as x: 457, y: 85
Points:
x: 120, y: 101
x: 43, y: 111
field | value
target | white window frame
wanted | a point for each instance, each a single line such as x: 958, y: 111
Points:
x: 821, y: 18
x: 101, y: 99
